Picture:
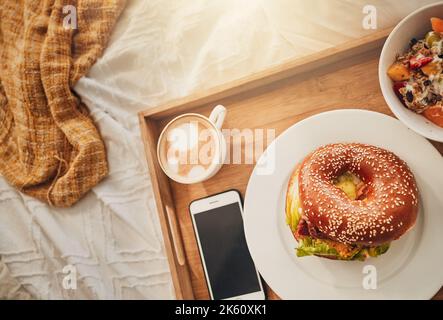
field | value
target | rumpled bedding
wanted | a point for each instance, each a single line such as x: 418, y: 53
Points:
x: 10, y: 288
x: 159, y: 50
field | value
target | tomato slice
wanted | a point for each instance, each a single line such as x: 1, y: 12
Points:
x: 435, y: 115
x: 415, y: 63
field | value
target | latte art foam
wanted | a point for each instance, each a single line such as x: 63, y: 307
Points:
x: 189, y: 147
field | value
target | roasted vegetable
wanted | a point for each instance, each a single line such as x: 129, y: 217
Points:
x: 437, y: 24
x: 397, y: 86
x: 398, y: 72
x: 434, y: 114
x: 431, y: 38
x: 430, y: 68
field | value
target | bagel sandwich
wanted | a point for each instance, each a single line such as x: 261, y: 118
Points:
x: 350, y: 201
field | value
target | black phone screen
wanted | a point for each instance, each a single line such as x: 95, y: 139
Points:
x: 228, y: 262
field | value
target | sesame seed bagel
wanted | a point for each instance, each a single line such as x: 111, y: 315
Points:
x: 387, y: 209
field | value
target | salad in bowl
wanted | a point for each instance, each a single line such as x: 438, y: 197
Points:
x: 417, y: 74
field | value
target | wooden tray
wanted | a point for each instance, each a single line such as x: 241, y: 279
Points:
x: 337, y: 78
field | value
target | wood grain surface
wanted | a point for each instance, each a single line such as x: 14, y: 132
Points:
x: 341, y: 78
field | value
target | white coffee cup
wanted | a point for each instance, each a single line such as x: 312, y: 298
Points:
x: 179, y: 137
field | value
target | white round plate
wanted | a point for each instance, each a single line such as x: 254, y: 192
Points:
x: 413, y: 266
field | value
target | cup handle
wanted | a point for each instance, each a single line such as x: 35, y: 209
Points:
x: 217, y: 116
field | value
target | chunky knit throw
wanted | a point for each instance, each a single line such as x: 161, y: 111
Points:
x: 49, y: 146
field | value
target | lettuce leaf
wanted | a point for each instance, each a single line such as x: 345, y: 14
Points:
x: 293, y: 213
x: 379, y: 250
x: 308, y: 247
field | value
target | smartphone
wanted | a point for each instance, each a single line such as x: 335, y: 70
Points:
x: 229, y: 269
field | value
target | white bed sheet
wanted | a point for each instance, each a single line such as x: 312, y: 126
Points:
x: 160, y: 50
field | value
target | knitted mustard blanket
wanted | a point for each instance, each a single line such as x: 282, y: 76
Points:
x: 49, y: 146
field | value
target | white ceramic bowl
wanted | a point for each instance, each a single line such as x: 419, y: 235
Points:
x: 415, y: 25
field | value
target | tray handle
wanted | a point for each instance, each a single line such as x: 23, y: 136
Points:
x: 176, y: 239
